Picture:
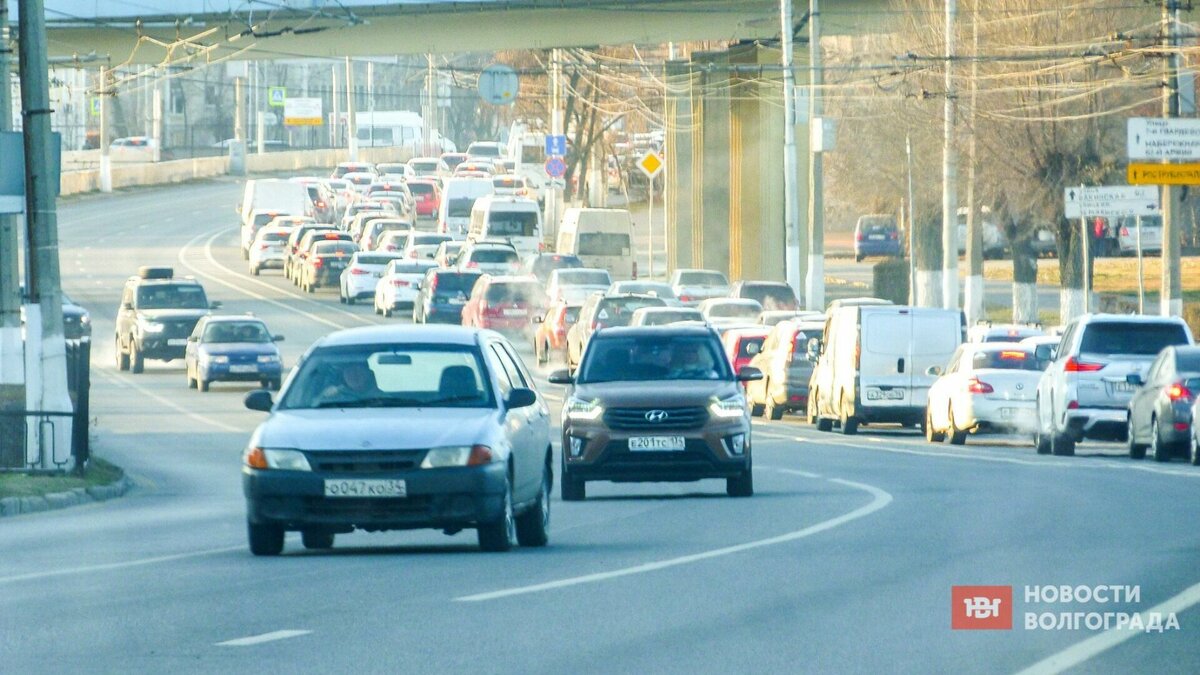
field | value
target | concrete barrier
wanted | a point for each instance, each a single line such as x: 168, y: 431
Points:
x: 177, y: 171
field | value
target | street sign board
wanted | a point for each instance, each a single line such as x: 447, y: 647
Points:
x: 556, y: 145
x: 302, y: 112
x: 94, y: 106
x: 1163, y: 174
x: 1157, y: 138
x: 1110, y: 201
x: 498, y: 84
x: 650, y: 164
x: 276, y: 96
x: 556, y: 167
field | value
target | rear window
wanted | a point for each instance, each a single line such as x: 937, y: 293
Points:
x: 571, y: 315
x: 1188, y: 362
x: 750, y: 346
x: 603, y: 243
x: 398, y: 240
x: 420, y: 188
x: 427, y: 239
x: 424, y: 166
x: 657, y: 290
x: 1136, y: 338
x: 664, y: 318
x: 513, y: 223
x: 703, y: 279
x: 374, y: 259
x: 548, y: 263
x: 335, y: 248
x: 588, y: 277
x: 523, y: 292
x: 1005, y: 359
x: 263, y: 218
x: 732, y: 309
x: 453, y: 282
x: 771, y: 296
x: 409, y: 268
x: 273, y: 236
x: 494, y: 255
x: 619, y: 311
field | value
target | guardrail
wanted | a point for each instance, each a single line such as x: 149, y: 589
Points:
x: 45, y: 455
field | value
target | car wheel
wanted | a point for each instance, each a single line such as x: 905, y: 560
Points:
x: 255, y: 271
x: 201, y: 384
x: 316, y: 540
x: 932, y: 434
x: 350, y: 300
x: 955, y: 435
x: 572, y: 489
x: 772, y: 411
x: 810, y: 408
x: 1136, y: 450
x: 1062, y: 445
x: 265, y: 539
x: 137, y: 362
x: 122, y: 357
x: 191, y: 381
x: 533, y: 526
x: 1195, y: 447
x: 741, y: 485
x: 387, y: 312
x: 757, y: 409
x: 499, y: 535
x: 858, y: 258
x: 849, y: 424
x: 245, y: 254
x: 1160, y: 450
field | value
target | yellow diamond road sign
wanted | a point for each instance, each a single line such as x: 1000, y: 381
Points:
x: 650, y: 164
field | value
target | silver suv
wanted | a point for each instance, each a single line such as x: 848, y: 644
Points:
x: 1085, y: 393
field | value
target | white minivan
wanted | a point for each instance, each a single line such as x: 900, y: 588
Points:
x: 872, y: 365
x: 601, y: 238
x: 458, y: 198
x: 517, y: 220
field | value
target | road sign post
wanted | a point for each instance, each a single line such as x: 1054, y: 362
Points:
x: 651, y: 165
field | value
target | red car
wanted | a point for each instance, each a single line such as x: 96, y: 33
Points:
x: 427, y: 196
x: 551, y: 337
x: 743, y: 344
x: 504, y: 303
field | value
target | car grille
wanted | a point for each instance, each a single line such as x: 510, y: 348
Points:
x: 636, y: 418
x: 366, y: 509
x: 366, y: 462
x: 178, y: 328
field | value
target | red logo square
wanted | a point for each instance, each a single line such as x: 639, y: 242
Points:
x: 981, y: 607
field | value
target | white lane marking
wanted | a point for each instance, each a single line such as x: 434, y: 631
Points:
x: 797, y: 472
x: 879, y: 500
x: 35, y: 576
x: 265, y: 637
x: 1098, y: 644
x: 778, y: 437
x: 171, y: 404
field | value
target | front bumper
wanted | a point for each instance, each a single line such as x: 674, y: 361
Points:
x: 221, y: 372
x: 159, y: 349
x: 604, y: 454
x: 448, y: 498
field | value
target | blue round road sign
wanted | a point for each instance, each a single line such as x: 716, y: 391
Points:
x: 498, y: 84
x: 556, y: 167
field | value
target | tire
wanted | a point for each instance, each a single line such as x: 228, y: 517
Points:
x: 849, y: 424
x: 741, y: 485
x: 542, y: 355
x: 1062, y: 445
x: 533, y: 526
x: 499, y: 536
x: 810, y: 409
x: 772, y: 411
x: 275, y: 384
x: 858, y: 258
x: 265, y: 539
x: 1195, y: 454
x: 954, y: 435
x: 255, y: 271
x: 572, y: 489
x: 122, y: 357
x: 191, y: 381
x: 245, y: 254
x: 824, y: 424
x: 201, y: 384
x: 931, y: 434
x: 757, y: 409
x: 1136, y: 450
x: 350, y: 300
x: 316, y: 540
x: 387, y: 312
x: 137, y: 362
x: 1041, y: 443
x: 1161, y: 451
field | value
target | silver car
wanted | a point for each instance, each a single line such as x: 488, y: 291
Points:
x: 1085, y: 391
x: 692, y: 287
x: 401, y: 427
x: 1160, y: 412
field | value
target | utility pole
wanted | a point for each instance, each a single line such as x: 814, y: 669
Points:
x: 12, y: 347
x: 351, y: 127
x: 949, y: 171
x: 371, y: 100
x: 814, y: 286
x: 50, y: 393
x: 337, y: 116
x: 554, y: 195
x: 105, y: 140
x: 1172, y: 283
x: 237, y: 151
x: 430, y: 105
x: 791, y: 189
x: 911, y: 230
x: 973, y: 297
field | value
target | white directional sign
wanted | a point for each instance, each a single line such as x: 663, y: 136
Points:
x: 302, y: 112
x: 1157, y: 138
x: 1112, y: 201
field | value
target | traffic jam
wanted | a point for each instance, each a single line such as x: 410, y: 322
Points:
x: 507, y: 364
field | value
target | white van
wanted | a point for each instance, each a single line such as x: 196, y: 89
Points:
x: 281, y: 196
x: 601, y: 238
x: 872, y: 364
x: 458, y: 198
x: 517, y: 220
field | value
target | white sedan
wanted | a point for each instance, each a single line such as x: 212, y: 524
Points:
x: 399, y: 285
x: 988, y: 386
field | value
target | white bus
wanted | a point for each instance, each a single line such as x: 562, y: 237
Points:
x: 601, y: 238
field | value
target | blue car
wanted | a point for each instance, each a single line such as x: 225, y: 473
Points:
x: 233, y: 349
x: 443, y: 294
x: 877, y: 235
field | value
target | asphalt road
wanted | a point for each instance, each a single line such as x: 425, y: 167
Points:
x: 842, y: 562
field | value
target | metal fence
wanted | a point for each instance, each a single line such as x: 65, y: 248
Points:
x: 30, y: 443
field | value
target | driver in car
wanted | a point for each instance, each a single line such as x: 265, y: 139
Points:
x: 356, y: 382
x: 687, y: 363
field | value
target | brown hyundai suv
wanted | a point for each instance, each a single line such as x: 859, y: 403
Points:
x: 657, y: 403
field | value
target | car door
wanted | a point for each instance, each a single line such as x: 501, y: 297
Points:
x: 537, y: 423
x: 1141, y: 404
x: 125, y: 316
x: 190, y: 355
x: 885, y: 375
x: 763, y: 360
x: 515, y: 423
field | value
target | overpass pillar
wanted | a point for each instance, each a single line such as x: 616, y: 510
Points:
x: 680, y: 169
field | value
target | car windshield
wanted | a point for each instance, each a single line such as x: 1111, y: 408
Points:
x: 1005, y: 359
x: 513, y: 223
x: 1134, y: 338
x: 514, y: 293
x: 584, y: 277
x: 390, y: 376
x: 494, y: 255
x: 619, y: 311
x: 236, y: 331
x: 171, y: 296
x: 653, y: 357
x: 603, y: 243
x: 738, y: 310
x: 703, y: 279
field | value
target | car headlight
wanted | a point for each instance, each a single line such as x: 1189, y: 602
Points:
x: 579, y: 409
x: 286, y: 460
x: 728, y: 408
x: 458, y: 455
x: 85, y: 319
x: 214, y: 359
x: 268, y: 358
x: 152, y: 327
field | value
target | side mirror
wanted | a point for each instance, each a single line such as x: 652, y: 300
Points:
x: 562, y: 376
x: 126, y: 306
x: 1045, y: 352
x: 521, y: 398
x: 538, y: 318
x: 1135, y: 379
x: 193, y: 338
x: 215, y: 305
x: 933, y: 371
x: 259, y: 399
x: 749, y: 374
x: 276, y: 338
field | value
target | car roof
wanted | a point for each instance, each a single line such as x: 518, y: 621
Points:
x: 668, y: 309
x: 731, y: 301
x: 221, y: 318
x: 748, y: 331
x: 405, y: 334
x: 1129, y: 318
x: 696, y: 330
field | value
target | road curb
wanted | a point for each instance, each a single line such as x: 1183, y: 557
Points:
x: 16, y: 506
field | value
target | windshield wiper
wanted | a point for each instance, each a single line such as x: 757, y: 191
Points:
x: 453, y: 399
x: 376, y: 402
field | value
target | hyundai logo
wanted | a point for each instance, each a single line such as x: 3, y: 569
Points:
x: 656, y: 416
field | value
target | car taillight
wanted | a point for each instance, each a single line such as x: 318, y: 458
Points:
x: 412, y: 253
x: 399, y: 282
x: 357, y: 271
x: 391, y: 248
x: 317, y: 262
x: 685, y: 298
x: 894, y: 235
x: 1124, y: 231
x: 541, y: 246
x: 977, y: 386
x: 263, y: 247
x: 320, y: 205
x: 859, y: 236
x: 433, y: 285
x: 1072, y: 405
x: 1178, y: 392
x: 1074, y: 365
x: 472, y: 264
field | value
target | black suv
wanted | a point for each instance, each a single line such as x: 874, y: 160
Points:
x: 657, y: 403
x: 156, y: 316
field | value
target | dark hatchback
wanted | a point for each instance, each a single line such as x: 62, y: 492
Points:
x: 443, y: 294
x: 655, y: 404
